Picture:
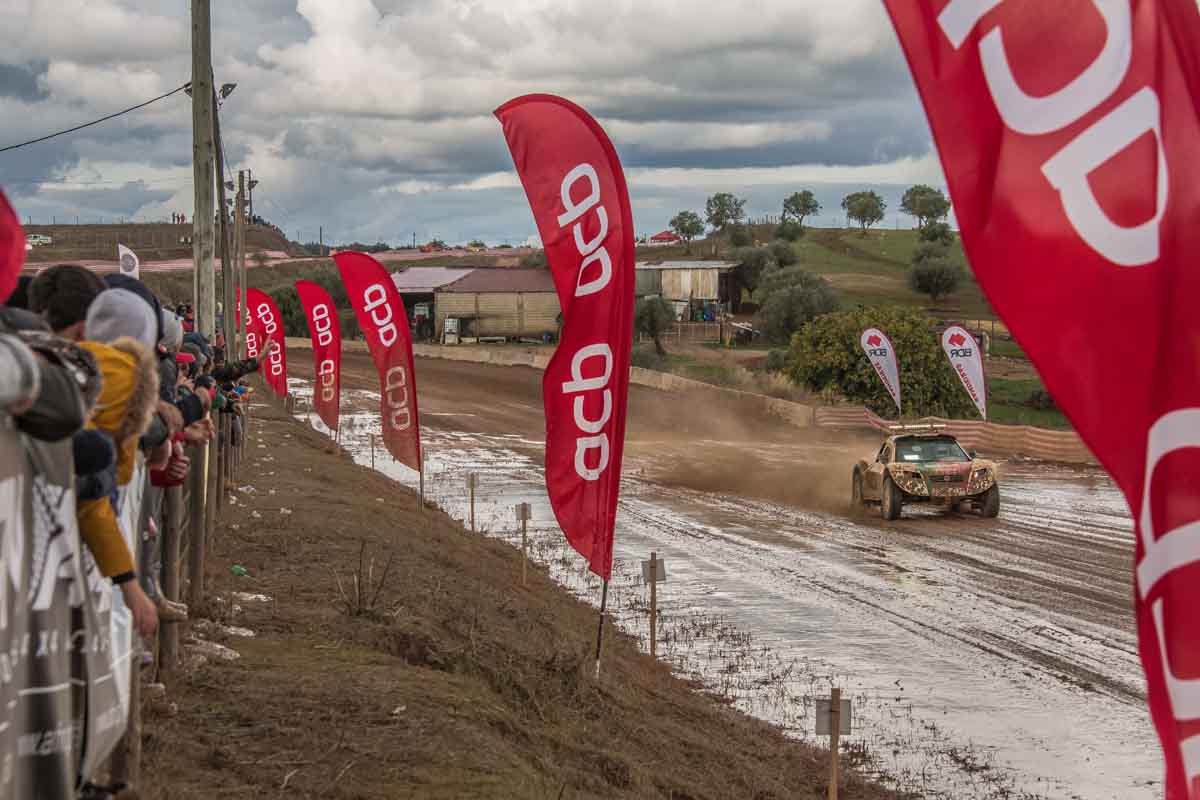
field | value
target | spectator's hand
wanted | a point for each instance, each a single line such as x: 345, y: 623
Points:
x: 206, y: 399
x: 145, y: 615
x: 171, y: 416
x: 199, y: 432
x: 159, y: 456
x: 177, y: 470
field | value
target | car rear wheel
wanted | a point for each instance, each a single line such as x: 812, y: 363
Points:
x: 856, y: 493
x: 989, y: 506
x: 890, y: 498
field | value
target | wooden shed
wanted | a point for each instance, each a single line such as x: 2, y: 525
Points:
x: 683, y: 281
x: 509, y: 303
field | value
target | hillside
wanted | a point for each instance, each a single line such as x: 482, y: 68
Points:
x: 151, y: 241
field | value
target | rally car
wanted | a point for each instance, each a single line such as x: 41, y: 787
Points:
x: 923, y: 464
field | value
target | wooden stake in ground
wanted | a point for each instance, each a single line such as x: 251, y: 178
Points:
x: 197, y: 482
x: 523, y: 516
x: 835, y: 732
x: 372, y: 451
x: 472, y: 479
x: 653, y: 604
x: 168, y: 633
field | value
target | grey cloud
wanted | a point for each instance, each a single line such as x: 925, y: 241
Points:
x: 21, y: 81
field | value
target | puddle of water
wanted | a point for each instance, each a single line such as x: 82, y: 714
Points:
x: 960, y: 691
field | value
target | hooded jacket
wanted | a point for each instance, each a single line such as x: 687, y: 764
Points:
x: 127, y: 402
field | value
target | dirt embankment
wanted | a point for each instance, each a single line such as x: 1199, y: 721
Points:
x: 455, y: 682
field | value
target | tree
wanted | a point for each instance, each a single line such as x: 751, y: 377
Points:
x: 800, y: 205
x: 925, y: 203
x: 789, y: 231
x: 687, y: 226
x: 937, y: 233
x: 826, y: 355
x: 653, y: 317
x: 739, y: 235
x: 865, y: 208
x: 479, y: 243
x: 936, y: 277
x: 789, y: 298
x: 723, y: 209
x: 783, y: 253
x: 751, y: 263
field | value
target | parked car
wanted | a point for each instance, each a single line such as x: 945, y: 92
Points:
x: 38, y: 240
x: 923, y: 464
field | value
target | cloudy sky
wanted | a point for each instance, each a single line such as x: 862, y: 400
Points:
x: 373, y: 119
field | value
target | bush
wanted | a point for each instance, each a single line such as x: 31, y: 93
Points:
x: 937, y: 278
x: 739, y: 236
x: 535, y: 260
x: 789, y: 231
x: 937, y: 233
x: 789, y: 299
x: 295, y: 323
x: 778, y: 360
x: 827, y: 356
x: 783, y: 253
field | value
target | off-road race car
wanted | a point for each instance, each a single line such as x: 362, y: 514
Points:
x: 922, y: 464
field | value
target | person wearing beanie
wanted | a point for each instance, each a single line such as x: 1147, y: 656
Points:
x: 129, y: 283
x: 120, y: 313
x: 121, y: 331
x: 61, y: 295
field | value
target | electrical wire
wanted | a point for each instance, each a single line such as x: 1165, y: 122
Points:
x: 96, y: 122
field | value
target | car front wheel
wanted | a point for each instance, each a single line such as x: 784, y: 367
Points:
x: 890, y: 499
x: 856, y: 493
x: 989, y: 506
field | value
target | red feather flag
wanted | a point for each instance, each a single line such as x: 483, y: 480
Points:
x: 265, y: 321
x: 12, y: 248
x: 577, y: 192
x: 1070, y: 142
x: 381, y: 315
x: 326, y: 333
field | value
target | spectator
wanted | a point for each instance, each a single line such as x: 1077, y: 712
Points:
x: 121, y: 330
x: 61, y: 295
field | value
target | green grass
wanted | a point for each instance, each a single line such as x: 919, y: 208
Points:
x: 1007, y: 398
x: 1006, y: 348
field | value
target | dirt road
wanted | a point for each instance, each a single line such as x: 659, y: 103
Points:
x: 987, y: 658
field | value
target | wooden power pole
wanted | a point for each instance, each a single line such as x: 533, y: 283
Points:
x: 202, y: 169
x: 226, y: 259
x: 239, y: 235
x: 204, y: 282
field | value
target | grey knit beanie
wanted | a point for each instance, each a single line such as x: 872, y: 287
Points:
x: 119, y: 312
x: 172, y: 331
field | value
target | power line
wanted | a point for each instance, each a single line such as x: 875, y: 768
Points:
x: 95, y: 122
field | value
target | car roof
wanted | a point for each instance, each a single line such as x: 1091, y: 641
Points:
x: 935, y: 435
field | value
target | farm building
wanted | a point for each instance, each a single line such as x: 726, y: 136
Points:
x: 500, y: 303
x: 418, y: 288
x: 696, y: 284
x: 663, y: 238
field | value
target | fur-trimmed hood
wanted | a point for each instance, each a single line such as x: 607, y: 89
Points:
x: 128, y: 395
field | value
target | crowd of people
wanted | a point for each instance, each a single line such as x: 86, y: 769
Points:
x: 100, y: 363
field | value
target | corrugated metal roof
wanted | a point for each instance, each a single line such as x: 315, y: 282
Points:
x: 426, y: 280
x: 718, y: 265
x: 503, y: 280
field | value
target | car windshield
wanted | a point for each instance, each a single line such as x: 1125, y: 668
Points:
x: 942, y: 449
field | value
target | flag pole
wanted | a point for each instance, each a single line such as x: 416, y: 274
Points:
x: 600, y: 628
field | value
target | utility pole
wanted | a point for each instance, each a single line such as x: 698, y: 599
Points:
x: 250, y: 189
x: 321, y: 238
x: 202, y: 168
x: 226, y: 260
x: 240, y: 248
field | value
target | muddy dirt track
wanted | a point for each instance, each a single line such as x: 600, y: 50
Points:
x: 998, y: 655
